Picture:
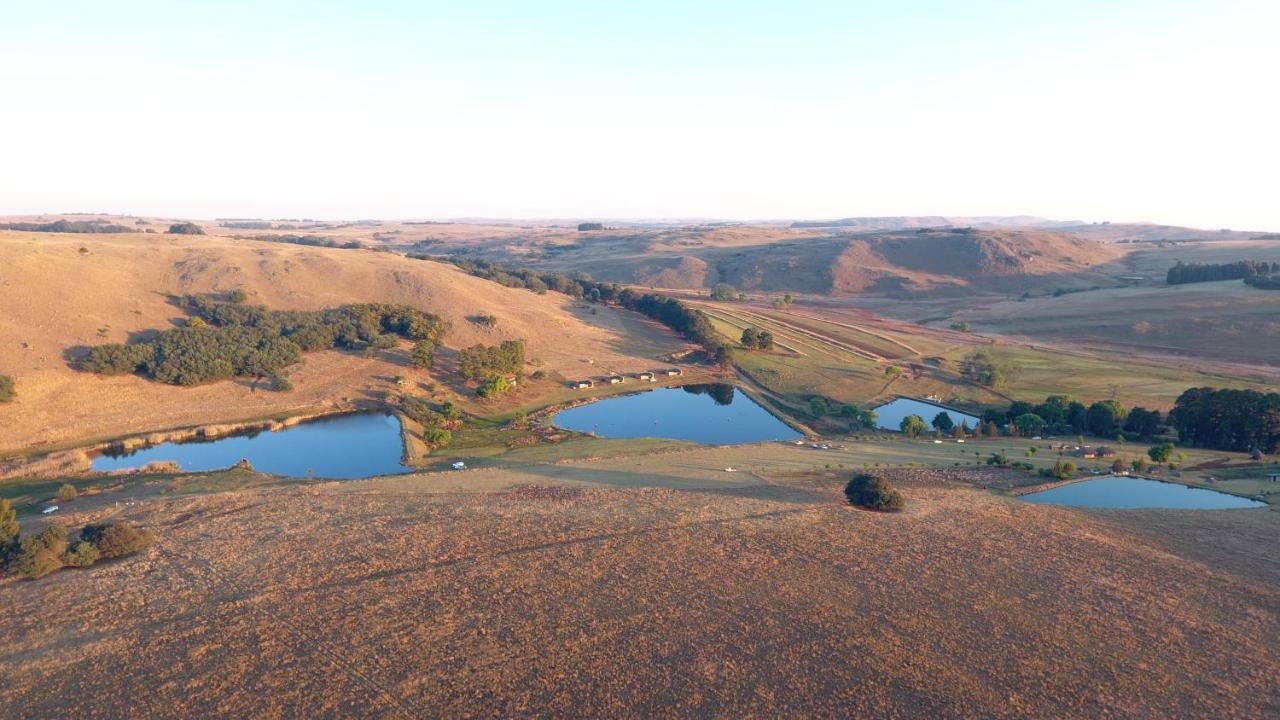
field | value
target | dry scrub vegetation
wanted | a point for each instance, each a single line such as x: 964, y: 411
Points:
x: 654, y: 585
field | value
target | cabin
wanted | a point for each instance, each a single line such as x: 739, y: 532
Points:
x: 582, y: 384
x: 614, y: 379
x: 1099, y: 452
x: 673, y: 372
x: 645, y: 376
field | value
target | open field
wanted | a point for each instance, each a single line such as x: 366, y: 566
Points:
x: 1225, y: 321
x: 842, y: 354
x: 655, y: 584
x: 55, y: 299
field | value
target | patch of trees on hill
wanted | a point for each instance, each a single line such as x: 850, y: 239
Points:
x: 226, y: 339
x: 687, y: 321
x: 1222, y: 419
x: 588, y: 226
x: 1263, y: 282
x: 1182, y: 273
x: 757, y: 339
x: 8, y: 390
x: 310, y: 240
x: 68, y: 226
x: 480, y: 362
x: 185, y: 228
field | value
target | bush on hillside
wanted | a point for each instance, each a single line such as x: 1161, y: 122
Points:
x: 117, y: 539
x: 42, y: 554
x: 8, y: 390
x: 186, y: 228
x: 873, y: 493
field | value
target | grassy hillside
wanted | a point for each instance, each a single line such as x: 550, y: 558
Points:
x: 62, y: 293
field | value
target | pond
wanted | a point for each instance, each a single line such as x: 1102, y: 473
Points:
x: 891, y: 414
x: 340, y: 447
x: 1128, y: 493
x: 713, y: 414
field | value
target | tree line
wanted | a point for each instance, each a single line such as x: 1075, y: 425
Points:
x: 1183, y: 273
x: 689, y: 322
x: 1263, y: 282
x: 69, y: 226
x: 1059, y: 414
x: 1223, y: 419
x: 226, y: 339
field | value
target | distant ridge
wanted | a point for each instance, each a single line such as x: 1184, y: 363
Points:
x: 908, y: 222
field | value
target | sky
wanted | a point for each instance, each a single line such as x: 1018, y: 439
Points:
x: 1125, y: 110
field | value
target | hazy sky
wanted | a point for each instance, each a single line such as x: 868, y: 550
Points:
x: 1121, y: 109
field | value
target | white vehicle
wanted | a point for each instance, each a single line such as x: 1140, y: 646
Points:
x: 937, y: 442
x: 960, y: 440
x: 729, y: 469
x: 50, y: 509
x: 459, y: 465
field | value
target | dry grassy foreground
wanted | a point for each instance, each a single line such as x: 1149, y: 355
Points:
x: 744, y: 596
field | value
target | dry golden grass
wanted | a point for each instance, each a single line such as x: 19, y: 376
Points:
x: 630, y: 588
x: 54, y: 297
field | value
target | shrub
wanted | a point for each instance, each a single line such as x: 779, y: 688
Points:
x: 43, y: 553
x: 1064, y: 469
x: 495, y: 386
x: 83, y: 554
x: 7, y: 390
x: 998, y: 458
x: 437, y: 436
x: 423, y: 354
x: 1161, y: 453
x: 9, y: 545
x: 115, y: 540
x: 237, y: 296
x: 66, y: 492
x: 186, y: 228
x: 281, y: 383
x: 724, y: 291
x: 873, y: 492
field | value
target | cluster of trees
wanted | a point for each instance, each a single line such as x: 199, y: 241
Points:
x: 724, y: 292
x: 8, y: 391
x: 50, y: 550
x: 68, y: 226
x: 481, y: 362
x: 1243, y: 420
x: 1263, y: 282
x: 873, y: 493
x: 584, y: 227
x: 681, y: 318
x: 310, y: 240
x: 981, y: 367
x: 226, y: 339
x: 757, y: 339
x: 185, y: 228
x: 1060, y: 414
x: 437, y: 424
x: 1208, y: 272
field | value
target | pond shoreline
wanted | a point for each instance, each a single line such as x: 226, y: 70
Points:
x: 79, y: 460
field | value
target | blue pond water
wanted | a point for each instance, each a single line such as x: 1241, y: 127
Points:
x: 348, y: 446
x: 714, y: 414
x: 1132, y: 493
